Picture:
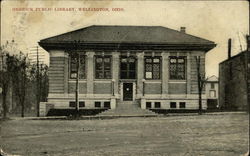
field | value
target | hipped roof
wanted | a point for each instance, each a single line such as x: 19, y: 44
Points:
x: 140, y: 35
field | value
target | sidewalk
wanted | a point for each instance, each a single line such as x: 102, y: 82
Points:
x: 122, y: 116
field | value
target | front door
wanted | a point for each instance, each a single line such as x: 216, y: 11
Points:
x: 127, y: 91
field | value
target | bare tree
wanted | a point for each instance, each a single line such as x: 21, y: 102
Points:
x: 17, y: 66
x: 201, y: 80
x: 4, y: 82
x: 75, y: 56
x: 43, y: 80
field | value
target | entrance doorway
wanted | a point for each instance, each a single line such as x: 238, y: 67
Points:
x: 127, y: 91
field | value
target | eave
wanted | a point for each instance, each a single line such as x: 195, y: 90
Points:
x: 124, y: 46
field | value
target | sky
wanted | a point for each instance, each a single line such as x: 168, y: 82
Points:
x: 216, y: 21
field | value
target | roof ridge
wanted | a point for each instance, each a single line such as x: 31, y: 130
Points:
x: 78, y: 29
x: 127, y: 25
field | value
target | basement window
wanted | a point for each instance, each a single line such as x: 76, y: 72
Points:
x: 98, y: 104
x: 172, y: 104
x: 73, y: 104
x: 182, y: 104
x: 157, y: 105
x: 107, y: 104
x: 148, y: 105
x: 81, y: 104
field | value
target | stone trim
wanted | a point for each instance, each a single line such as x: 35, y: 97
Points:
x: 165, y: 73
x: 140, y: 73
x: 90, y: 71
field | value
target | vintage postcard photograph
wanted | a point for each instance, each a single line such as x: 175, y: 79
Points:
x: 124, y: 78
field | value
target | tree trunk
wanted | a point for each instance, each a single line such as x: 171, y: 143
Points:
x: 200, y: 103
x: 77, y: 86
x: 4, y: 93
x: 23, y: 91
x: 199, y: 84
x: 4, y: 105
x: 22, y: 109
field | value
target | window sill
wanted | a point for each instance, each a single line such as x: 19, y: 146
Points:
x: 153, y: 81
x: 177, y: 81
x: 101, y: 80
x: 80, y: 80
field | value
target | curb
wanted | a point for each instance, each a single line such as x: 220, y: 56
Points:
x: 125, y: 116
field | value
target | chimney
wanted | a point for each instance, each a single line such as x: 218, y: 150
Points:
x: 183, y: 29
x: 229, y: 47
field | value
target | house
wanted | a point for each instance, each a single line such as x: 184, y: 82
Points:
x: 35, y: 53
x: 153, y: 67
x: 212, y: 92
x: 233, y: 82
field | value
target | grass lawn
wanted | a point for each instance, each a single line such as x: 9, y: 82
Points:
x: 224, y: 134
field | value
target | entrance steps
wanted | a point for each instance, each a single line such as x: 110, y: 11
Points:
x: 127, y: 109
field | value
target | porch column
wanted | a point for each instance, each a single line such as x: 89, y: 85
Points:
x: 140, y: 73
x: 188, y: 73
x: 165, y: 73
x: 90, y: 73
x: 115, y: 72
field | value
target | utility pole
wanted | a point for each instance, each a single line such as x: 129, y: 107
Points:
x: 38, y: 82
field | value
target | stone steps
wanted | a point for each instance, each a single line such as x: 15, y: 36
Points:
x: 127, y: 109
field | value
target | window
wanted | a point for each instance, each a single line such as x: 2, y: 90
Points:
x: 103, y: 67
x: 148, y: 104
x: 212, y: 85
x: 212, y: 93
x: 177, y: 68
x: 97, y: 104
x: 73, y: 66
x: 73, y: 104
x: 157, y: 105
x: 107, y: 104
x: 152, y: 67
x: 182, y: 104
x: 172, y: 104
x: 128, y: 68
x: 81, y: 104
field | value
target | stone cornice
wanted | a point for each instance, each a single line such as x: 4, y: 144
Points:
x: 125, y: 46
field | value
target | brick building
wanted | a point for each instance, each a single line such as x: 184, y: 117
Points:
x: 233, y: 82
x: 150, y: 66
